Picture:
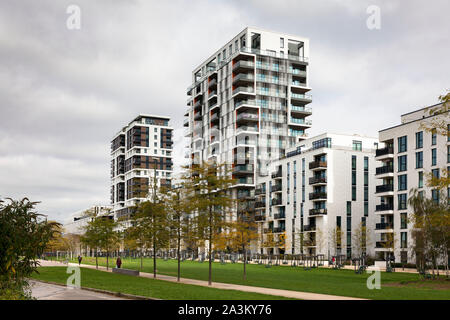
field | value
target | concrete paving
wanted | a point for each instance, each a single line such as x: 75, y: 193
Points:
x: 47, y: 291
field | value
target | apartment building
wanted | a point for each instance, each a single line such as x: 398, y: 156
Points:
x: 409, y: 153
x: 248, y: 103
x: 78, y: 220
x: 141, y: 154
x: 323, y: 184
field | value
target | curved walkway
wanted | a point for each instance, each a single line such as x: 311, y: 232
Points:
x: 225, y: 286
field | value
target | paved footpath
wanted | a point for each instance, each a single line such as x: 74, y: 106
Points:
x: 47, y: 291
x: 226, y: 286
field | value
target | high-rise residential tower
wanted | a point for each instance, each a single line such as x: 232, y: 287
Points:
x: 248, y: 103
x: 141, y: 153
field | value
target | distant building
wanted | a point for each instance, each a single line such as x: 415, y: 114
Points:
x: 141, y: 153
x: 79, y: 219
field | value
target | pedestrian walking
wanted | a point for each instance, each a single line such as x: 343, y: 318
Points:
x: 118, y: 262
x: 79, y: 259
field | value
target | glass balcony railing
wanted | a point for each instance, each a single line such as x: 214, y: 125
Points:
x: 301, y: 109
x: 301, y: 121
x: 242, y: 102
x: 301, y: 96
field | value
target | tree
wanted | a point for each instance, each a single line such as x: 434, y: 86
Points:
x: 100, y: 233
x: 361, y: 240
x: 431, y: 230
x: 24, y: 235
x: 336, y: 235
x: 135, y: 236
x: 58, y: 242
x: 209, y: 188
x: 243, y: 232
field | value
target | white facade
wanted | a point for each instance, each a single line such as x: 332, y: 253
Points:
x: 407, y: 155
x: 79, y: 219
x: 312, y: 188
x: 141, y: 151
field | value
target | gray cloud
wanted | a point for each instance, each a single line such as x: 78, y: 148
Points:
x: 64, y: 94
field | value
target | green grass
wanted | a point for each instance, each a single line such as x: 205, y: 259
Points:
x: 146, y: 287
x: 326, y: 281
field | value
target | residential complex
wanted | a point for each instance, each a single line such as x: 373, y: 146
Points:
x: 79, y: 220
x: 323, y: 185
x: 248, y: 103
x: 409, y: 153
x: 141, y: 155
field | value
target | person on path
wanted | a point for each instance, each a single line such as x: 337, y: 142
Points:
x: 79, y: 259
x: 118, y: 262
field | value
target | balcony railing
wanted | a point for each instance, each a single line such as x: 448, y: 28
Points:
x: 385, y: 188
x: 277, y: 174
x: 321, y: 211
x: 260, y: 204
x: 260, y: 218
x: 384, y: 169
x: 276, y: 201
x: 243, y: 90
x: 278, y: 230
x: 301, y: 109
x: 279, y: 216
x: 301, y: 121
x: 384, y: 226
x: 276, y: 187
x: 308, y: 227
x: 317, y: 195
x: 247, y: 116
x: 384, y: 207
x: 249, y: 102
x: 384, y: 151
x: 259, y: 191
x: 244, y: 77
x: 315, y: 180
x: 243, y: 168
x: 301, y: 96
x: 317, y: 164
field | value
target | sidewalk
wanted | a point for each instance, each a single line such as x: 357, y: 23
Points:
x: 228, y: 286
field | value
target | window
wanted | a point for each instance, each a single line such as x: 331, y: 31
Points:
x: 281, y: 43
x: 404, y: 239
x: 357, y: 145
x: 419, y: 140
x: 353, y: 162
x: 354, y: 193
x: 433, y: 157
x: 402, y: 142
x: 402, y: 182
x: 435, y: 195
x: 433, y: 137
x: 402, y: 201
x: 435, y: 173
x: 420, y: 179
x: 419, y: 159
x: 366, y: 208
x: 403, y: 220
x: 448, y: 153
x: 366, y: 163
x: 349, y: 208
x: 402, y: 163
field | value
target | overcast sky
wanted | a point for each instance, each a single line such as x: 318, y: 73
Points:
x: 65, y: 93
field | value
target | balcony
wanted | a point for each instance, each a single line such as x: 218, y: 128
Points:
x: 276, y: 187
x: 212, y: 83
x: 317, y: 180
x: 246, y: 129
x: 277, y: 216
x: 384, y: 188
x: 277, y: 201
x: 308, y: 228
x: 384, y: 226
x: 315, y: 212
x: 384, y: 207
x: 301, y: 97
x: 260, y: 204
x: 317, y: 165
x: 318, y: 196
x: 300, y: 122
x: 244, y: 77
x: 246, y: 180
x: 247, y: 117
x: 243, y: 90
x: 259, y: 191
x: 214, y: 117
x: 384, y: 170
x: 277, y: 174
x: 245, y: 102
x: 243, y: 169
x: 301, y: 110
x: 381, y: 245
x: 278, y: 230
x: 384, y: 152
x: 260, y: 218
x: 242, y: 64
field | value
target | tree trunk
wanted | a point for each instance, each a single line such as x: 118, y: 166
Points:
x: 96, y: 259
x: 107, y: 260
x: 141, y: 259
x: 210, y: 247
x: 245, y: 263
x: 154, y: 258
x: 178, y: 251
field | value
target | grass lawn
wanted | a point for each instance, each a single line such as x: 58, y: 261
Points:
x: 146, y: 287
x: 327, y: 281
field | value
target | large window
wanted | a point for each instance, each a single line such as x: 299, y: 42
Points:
x: 402, y: 182
x: 433, y: 157
x: 419, y: 159
x: 402, y: 144
x: 433, y: 137
x: 402, y: 201
x: 420, y: 179
x: 402, y: 163
x: 403, y: 220
x: 419, y: 140
x: 404, y: 240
